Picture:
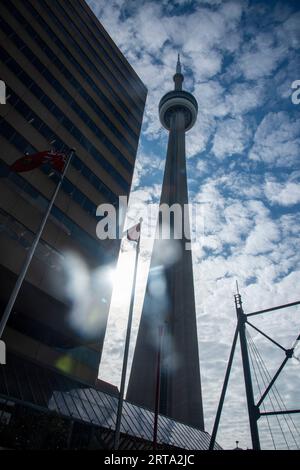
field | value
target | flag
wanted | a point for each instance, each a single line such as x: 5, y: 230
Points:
x: 133, y: 233
x: 57, y: 160
x: 30, y: 162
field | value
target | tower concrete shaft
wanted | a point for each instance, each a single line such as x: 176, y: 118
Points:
x: 169, y: 300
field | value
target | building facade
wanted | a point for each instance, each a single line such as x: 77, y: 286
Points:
x: 169, y: 304
x: 67, y: 86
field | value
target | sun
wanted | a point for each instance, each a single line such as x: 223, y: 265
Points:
x: 121, y: 278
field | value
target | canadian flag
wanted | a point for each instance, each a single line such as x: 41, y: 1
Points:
x: 30, y: 162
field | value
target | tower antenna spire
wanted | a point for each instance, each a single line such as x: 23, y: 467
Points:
x: 178, y: 77
x: 178, y: 65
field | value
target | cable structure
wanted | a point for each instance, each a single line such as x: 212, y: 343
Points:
x: 265, y: 384
x: 259, y: 388
x: 266, y: 378
x: 278, y: 397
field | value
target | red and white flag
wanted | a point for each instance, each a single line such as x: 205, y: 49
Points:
x: 133, y: 233
x: 30, y: 162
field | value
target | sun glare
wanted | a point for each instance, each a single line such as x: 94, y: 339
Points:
x: 121, y: 278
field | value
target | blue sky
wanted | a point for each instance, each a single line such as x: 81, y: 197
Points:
x: 239, y: 60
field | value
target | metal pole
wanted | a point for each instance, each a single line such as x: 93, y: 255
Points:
x: 266, y: 336
x: 157, y: 391
x: 30, y: 253
x: 253, y: 410
x: 223, y: 393
x: 292, y: 304
x: 126, y: 351
x: 288, y: 356
x: 280, y: 412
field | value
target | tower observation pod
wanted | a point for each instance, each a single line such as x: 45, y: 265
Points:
x: 167, y: 347
x: 178, y: 102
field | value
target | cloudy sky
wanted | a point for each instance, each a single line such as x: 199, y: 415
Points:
x: 239, y: 60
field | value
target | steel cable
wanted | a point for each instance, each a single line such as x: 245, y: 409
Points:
x: 253, y: 362
x: 265, y: 383
x: 278, y: 398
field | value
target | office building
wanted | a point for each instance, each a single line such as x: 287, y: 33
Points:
x: 67, y: 86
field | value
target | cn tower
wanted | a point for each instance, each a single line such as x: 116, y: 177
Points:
x: 169, y: 303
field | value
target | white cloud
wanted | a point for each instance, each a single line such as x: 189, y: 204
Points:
x: 261, y: 63
x: 244, y: 97
x: 210, y: 96
x: 263, y: 238
x: 261, y: 56
x: 277, y: 140
x: 199, y: 135
x: 232, y: 137
x: 283, y: 194
x: 290, y: 31
x: 147, y: 164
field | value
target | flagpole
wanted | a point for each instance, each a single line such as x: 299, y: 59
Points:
x: 31, y: 252
x: 157, y: 390
x: 126, y: 350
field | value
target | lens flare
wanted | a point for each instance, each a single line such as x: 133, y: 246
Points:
x: 89, y: 292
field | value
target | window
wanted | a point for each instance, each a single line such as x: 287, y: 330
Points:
x: 60, y: 89
x: 65, y: 70
x: 67, y: 52
x: 78, y: 233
